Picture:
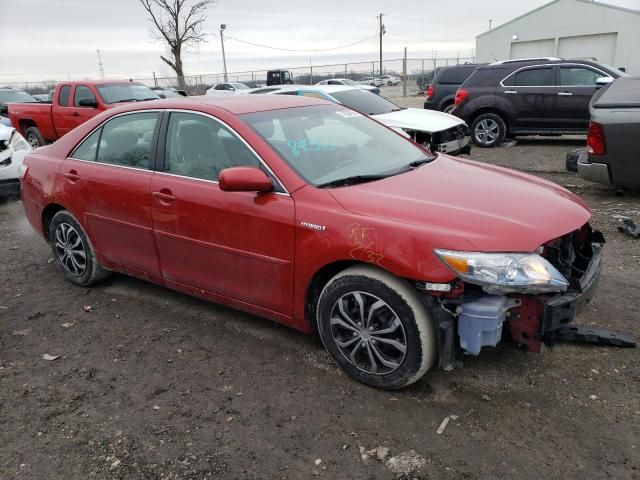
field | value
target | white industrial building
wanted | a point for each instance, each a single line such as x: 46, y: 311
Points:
x: 568, y: 29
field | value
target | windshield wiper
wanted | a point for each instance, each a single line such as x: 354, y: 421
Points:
x: 421, y: 162
x: 148, y: 98
x: 353, y: 180
x: 126, y: 100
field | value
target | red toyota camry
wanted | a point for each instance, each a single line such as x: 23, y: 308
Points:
x: 316, y: 216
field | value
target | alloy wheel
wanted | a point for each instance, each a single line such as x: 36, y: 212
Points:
x: 487, y: 131
x: 70, y: 249
x: 368, y: 333
x: 33, y: 140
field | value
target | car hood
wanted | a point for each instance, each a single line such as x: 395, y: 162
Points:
x: 492, y: 208
x: 419, y: 119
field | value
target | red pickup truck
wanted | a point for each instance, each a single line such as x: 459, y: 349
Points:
x: 73, y: 104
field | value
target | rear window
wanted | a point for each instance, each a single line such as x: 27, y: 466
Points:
x: 63, y: 98
x: 455, y: 75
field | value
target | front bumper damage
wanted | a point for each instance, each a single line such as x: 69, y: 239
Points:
x: 531, y: 320
x: 453, y: 141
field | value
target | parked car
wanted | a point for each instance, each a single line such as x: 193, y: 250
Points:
x: 279, y: 77
x: 424, y: 80
x: 441, y: 92
x: 226, y: 88
x: 316, y: 216
x: 13, y: 148
x: 612, y: 156
x: 439, y: 132
x: 529, y: 97
x: 348, y: 82
x: 390, y: 80
x: 42, y: 97
x: 73, y: 104
x: 372, y: 81
x: 9, y: 95
x: 169, y: 92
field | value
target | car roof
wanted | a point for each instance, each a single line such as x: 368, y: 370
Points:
x: 103, y: 82
x: 235, y: 104
x: 527, y: 62
x: 321, y: 88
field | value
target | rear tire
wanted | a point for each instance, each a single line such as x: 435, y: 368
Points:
x: 488, y: 130
x: 34, y: 137
x: 376, y: 328
x: 448, y: 108
x: 73, y: 252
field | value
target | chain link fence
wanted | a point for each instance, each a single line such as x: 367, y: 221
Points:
x: 416, y: 69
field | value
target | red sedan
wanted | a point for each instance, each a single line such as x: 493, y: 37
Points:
x: 318, y: 217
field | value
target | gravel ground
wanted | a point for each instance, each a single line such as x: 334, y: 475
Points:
x: 155, y: 384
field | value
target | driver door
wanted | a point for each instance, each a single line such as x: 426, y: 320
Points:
x: 236, y: 244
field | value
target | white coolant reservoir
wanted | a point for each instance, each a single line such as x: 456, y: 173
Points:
x: 480, y: 322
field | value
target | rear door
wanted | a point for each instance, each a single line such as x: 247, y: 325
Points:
x: 576, y: 85
x: 62, y: 111
x: 105, y: 182
x: 238, y: 245
x: 531, y: 92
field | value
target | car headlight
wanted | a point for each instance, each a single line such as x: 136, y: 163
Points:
x: 18, y: 143
x: 505, y: 272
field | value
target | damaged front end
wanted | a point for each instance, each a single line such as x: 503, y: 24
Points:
x: 526, y: 298
x: 453, y: 141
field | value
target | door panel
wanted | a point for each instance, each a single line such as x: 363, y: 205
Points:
x: 236, y: 244
x: 576, y: 86
x: 108, y: 187
x: 78, y: 115
x: 531, y: 93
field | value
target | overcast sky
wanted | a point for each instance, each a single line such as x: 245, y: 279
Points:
x: 57, y: 39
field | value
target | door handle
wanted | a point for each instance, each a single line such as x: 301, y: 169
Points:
x: 164, y: 195
x: 72, y: 176
x: 510, y: 92
x: 565, y: 94
x: 75, y: 114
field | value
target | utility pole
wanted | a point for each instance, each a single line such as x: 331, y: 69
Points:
x: 224, y: 58
x: 490, y: 22
x: 382, y: 32
x: 100, y: 65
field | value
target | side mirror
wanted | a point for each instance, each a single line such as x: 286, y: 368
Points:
x: 88, y: 102
x: 161, y: 95
x: 602, y: 81
x: 244, y: 179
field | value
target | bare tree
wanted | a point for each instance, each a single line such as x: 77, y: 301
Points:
x: 179, y: 24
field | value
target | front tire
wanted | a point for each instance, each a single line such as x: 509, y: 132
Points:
x: 73, y: 253
x: 488, y: 130
x: 34, y: 137
x: 376, y: 328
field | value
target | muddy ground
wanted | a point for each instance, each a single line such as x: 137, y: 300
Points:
x: 155, y: 384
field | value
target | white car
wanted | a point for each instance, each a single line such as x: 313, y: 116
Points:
x: 390, y: 80
x: 13, y: 149
x: 349, y: 83
x: 373, y: 81
x: 226, y: 88
x: 438, y: 131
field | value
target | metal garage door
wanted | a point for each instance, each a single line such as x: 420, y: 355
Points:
x: 533, y: 48
x: 601, y: 46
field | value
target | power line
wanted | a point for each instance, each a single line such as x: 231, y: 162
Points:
x: 297, y: 50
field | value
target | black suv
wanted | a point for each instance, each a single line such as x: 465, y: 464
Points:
x: 547, y: 96
x: 442, y: 91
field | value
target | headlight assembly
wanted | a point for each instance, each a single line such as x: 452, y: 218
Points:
x: 18, y: 143
x: 505, y: 272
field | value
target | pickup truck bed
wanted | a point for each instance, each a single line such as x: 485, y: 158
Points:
x: 615, y: 119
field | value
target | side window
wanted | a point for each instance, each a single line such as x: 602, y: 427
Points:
x: 220, y: 86
x: 126, y: 140
x: 63, y: 98
x: 82, y: 93
x: 312, y: 94
x: 534, y: 77
x: 578, y: 76
x: 201, y: 147
x: 88, y: 148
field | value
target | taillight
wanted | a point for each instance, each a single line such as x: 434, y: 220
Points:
x: 431, y: 90
x: 595, y: 139
x: 461, y: 96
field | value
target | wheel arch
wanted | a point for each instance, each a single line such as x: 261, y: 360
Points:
x: 47, y: 215
x: 25, y: 123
